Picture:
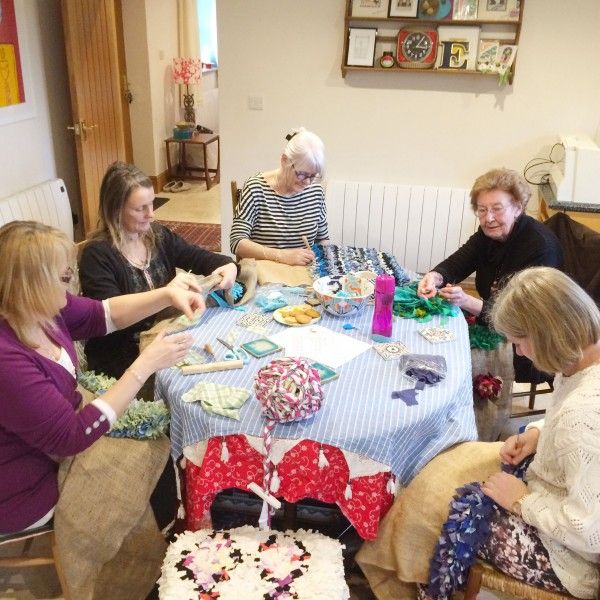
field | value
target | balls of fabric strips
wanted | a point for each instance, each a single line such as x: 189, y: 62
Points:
x: 288, y: 389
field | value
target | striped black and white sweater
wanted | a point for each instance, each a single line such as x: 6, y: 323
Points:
x: 267, y: 218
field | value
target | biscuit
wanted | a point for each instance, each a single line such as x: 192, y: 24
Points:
x: 312, y: 313
x: 303, y: 319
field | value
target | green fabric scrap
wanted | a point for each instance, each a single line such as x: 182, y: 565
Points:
x: 483, y: 338
x: 409, y: 305
x: 218, y: 399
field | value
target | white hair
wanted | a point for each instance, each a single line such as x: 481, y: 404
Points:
x: 306, y: 149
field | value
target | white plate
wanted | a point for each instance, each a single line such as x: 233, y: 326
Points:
x: 277, y: 315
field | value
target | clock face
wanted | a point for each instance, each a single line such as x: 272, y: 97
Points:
x: 416, y: 46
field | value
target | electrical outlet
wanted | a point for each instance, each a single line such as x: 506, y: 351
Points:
x: 255, y: 102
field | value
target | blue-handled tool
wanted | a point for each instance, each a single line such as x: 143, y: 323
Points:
x: 234, y: 353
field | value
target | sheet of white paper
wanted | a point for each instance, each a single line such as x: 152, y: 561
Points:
x: 320, y: 344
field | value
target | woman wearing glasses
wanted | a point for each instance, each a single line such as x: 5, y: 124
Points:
x: 279, y: 207
x: 506, y: 242
x: 41, y: 419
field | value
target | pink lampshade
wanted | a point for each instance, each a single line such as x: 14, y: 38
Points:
x: 187, y: 70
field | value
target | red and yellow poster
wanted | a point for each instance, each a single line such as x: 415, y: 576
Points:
x: 11, y: 75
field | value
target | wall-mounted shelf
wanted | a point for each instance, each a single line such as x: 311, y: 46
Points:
x: 506, y: 31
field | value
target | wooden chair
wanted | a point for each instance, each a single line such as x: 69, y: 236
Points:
x: 236, y: 195
x: 482, y: 573
x: 531, y: 393
x: 23, y: 559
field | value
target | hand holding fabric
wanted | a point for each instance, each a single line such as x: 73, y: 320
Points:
x: 427, y: 287
x: 191, y: 304
x: 518, y: 447
x: 504, y: 489
x: 228, y: 273
x: 296, y: 256
x: 165, y: 350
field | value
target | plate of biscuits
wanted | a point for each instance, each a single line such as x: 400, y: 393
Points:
x: 297, y: 316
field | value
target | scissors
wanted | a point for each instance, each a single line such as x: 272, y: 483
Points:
x: 234, y: 352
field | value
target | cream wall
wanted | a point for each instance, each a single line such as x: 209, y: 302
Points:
x: 397, y: 127
x: 150, y: 33
x: 40, y: 148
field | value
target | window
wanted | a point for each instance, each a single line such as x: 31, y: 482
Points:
x: 207, y: 23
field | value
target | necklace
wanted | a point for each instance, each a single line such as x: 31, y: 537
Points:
x: 136, y: 261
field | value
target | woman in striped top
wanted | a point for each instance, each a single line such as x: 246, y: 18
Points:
x: 279, y: 207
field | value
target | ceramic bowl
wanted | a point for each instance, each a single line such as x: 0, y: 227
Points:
x: 327, y: 291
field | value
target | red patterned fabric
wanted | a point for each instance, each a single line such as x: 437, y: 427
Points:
x: 300, y: 477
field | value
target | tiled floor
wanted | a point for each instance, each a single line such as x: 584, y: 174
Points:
x: 196, y: 205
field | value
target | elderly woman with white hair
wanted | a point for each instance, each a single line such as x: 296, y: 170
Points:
x: 279, y: 208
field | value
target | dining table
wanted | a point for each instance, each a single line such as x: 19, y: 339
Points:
x: 358, y: 450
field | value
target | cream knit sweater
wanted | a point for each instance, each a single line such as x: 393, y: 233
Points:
x: 564, y: 481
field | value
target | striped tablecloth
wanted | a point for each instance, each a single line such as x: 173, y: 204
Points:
x: 358, y: 413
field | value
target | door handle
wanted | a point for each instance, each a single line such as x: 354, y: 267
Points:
x: 81, y: 128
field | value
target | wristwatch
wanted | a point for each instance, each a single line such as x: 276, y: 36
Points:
x: 516, y: 505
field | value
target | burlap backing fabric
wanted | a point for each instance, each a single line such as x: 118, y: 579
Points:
x: 274, y: 272
x: 108, y: 540
x: 491, y: 416
x: 408, y: 534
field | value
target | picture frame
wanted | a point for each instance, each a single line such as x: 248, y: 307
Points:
x: 464, y: 10
x: 458, y: 47
x: 15, y: 20
x: 487, y: 55
x: 361, y: 47
x: 376, y: 9
x: 499, y: 10
x: 403, y: 8
x: 436, y: 10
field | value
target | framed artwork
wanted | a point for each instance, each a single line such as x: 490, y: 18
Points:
x: 438, y: 10
x: 458, y: 47
x: 403, y: 8
x: 370, y: 8
x: 361, y: 47
x: 499, y: 10
x: 505, y: 57
x: 486, y: 58
x: 16, y: 98
x: 464, y: 10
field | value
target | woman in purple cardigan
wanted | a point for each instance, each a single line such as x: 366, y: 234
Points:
x: 39, y: 418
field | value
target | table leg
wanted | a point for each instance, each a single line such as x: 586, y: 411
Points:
x: 289, y: 515
x: 169, y: 167
x: 206, y: 173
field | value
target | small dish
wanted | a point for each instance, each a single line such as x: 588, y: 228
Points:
x: 285, y: 315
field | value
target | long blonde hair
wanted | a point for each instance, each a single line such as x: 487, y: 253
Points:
x: 32, y: 256
x: 552, y: 311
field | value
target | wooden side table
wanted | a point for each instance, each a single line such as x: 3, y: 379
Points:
x: 182, y: 170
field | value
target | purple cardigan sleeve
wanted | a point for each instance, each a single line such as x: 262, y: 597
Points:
x: 40, y: 398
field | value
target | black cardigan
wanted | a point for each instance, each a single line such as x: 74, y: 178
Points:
x: 529, y: 244
x: 104, y: 272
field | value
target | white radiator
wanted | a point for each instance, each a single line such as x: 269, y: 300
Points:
x: 47, y: 203
x: 419, y: 225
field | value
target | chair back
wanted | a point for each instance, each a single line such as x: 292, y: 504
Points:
x: 580, y: 245
x: 24, y: 540
x: 236, y: 195
x: 483, y: 574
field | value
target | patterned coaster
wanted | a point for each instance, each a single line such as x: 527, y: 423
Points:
x: 391, y: 350
x: 254, y: 319
x: 437, y: 335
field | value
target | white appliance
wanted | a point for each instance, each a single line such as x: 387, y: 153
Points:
x: 577, y: 177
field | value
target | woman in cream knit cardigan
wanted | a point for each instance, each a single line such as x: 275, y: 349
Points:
x: 549, y: 534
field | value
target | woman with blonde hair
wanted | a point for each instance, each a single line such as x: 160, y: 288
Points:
x: 279, y: 208
x: 549, y: 531
x: 131, y: 253
x: 40, y: 414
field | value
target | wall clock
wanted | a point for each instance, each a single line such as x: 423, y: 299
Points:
x: 417, y: 47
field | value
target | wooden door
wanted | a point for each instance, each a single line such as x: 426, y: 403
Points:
x: 93, y: 33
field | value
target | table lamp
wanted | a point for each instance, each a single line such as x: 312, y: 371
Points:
x: 187, y: 71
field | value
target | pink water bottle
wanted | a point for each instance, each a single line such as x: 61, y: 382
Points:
x: 381, y: 329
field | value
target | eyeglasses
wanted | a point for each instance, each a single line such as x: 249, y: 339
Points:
x: 497, y: 211
x: 66, y: 278
x: 303, y: 176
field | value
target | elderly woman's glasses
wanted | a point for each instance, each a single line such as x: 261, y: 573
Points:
x: 303, y: 176
x: 67, y: 275
x: 497, y: 211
